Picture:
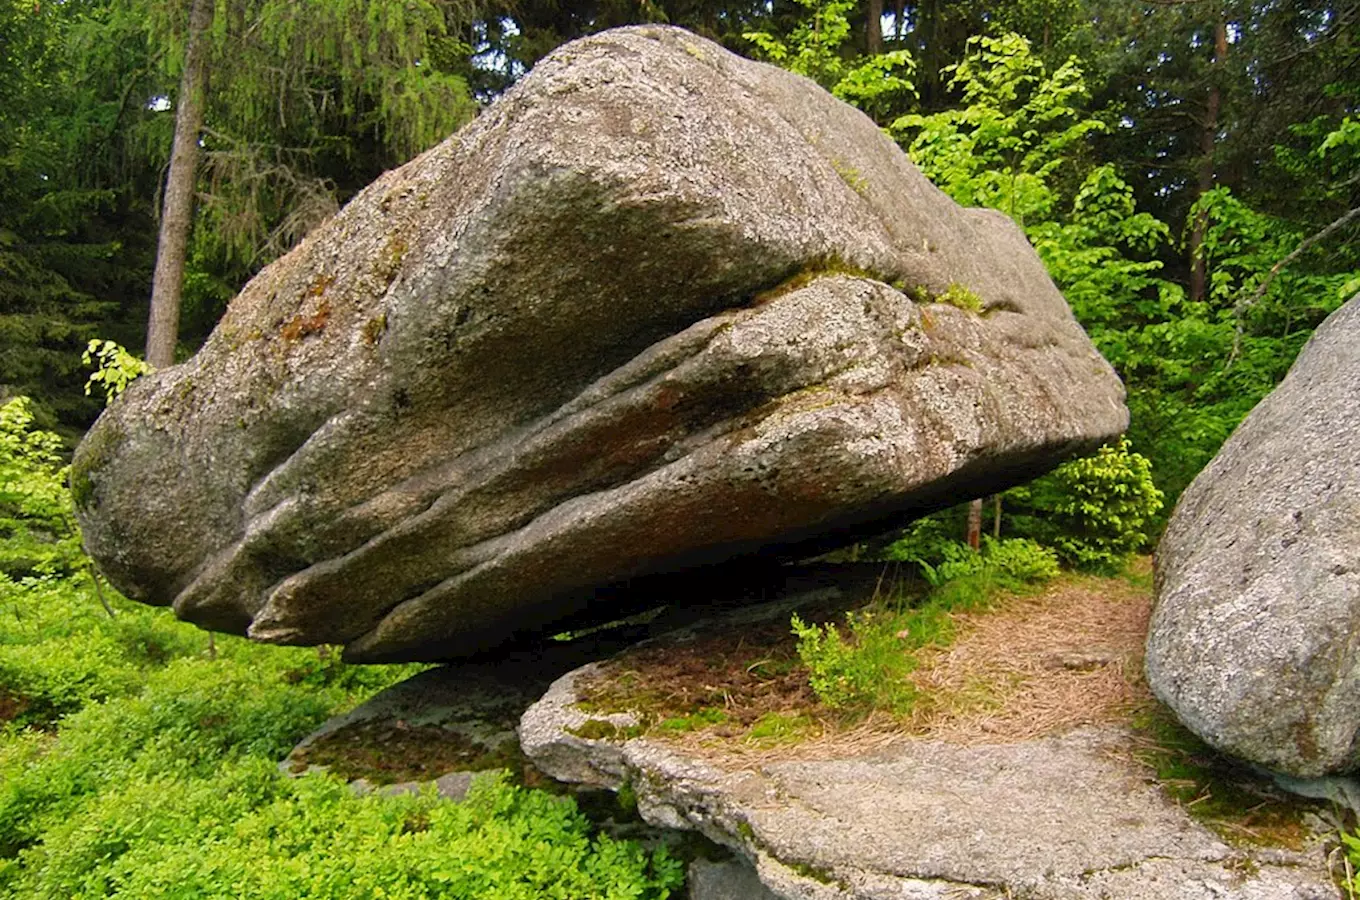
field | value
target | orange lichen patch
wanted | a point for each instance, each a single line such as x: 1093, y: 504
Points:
x: 320, y: 283
x: 1037, y: 665
x: 300, y: 326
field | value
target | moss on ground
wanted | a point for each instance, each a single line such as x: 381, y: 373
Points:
x: 1240, y: 805
x: 385, y: 752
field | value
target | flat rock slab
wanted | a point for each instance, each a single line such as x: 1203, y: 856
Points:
x: 1059, y: 818
x: 657, y: 307
x: 1255, y: 636
x: 444, y: 723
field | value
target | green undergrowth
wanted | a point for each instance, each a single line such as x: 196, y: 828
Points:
x: 865, y: 664
x: 135, y: 764
x: 140, y: 766
x: 140, y: 760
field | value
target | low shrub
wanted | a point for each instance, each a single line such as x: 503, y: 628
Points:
x: 247, y: 831
x: 1095, y: 511
x: 867, y: 670
x: 867, y: 664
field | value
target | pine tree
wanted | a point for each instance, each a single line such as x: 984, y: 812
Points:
x: 269, y: 91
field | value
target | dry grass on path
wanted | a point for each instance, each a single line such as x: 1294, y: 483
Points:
x: 1038, y: 665
x: 1029, y: 666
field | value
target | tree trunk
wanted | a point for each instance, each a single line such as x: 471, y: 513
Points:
x: 873, y: 28
x: 927, y: 37
x: 1199, y: 270
x: 975, y: 524
x: 177, y: 214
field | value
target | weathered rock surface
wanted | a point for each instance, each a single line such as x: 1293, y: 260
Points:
x: 1073, y: 817
x: 446, y: 720
x: 1255, y: 638
x: 548, y: 355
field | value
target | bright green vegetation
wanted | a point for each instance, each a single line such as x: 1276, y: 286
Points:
x: 866, y: 664
x: 961, y: 296
x: 115, y: 368
x: 137, y: 762
x: 1094, y: 512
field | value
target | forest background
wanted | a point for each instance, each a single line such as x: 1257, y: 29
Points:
x: 1189, y: 170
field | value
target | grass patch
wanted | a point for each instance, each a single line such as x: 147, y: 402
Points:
x: 776, y: 728
x: 702, y: 718
x: 866, y: 664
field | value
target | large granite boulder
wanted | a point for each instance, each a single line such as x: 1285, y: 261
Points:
x: 1255, y: 639
x: 658, y: 306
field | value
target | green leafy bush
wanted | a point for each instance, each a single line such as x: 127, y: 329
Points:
x: 1094, y: 511
x: 1012, y: 564
x: 37, y: 522
x: 868, y: 670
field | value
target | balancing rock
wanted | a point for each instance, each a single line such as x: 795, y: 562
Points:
x: 657, y: 307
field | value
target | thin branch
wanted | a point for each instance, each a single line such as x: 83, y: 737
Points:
x: 1240, y: 310
x: 125, y: 95
x: 99, y: 592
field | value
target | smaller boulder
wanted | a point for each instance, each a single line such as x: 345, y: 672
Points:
x: 1255, y: 637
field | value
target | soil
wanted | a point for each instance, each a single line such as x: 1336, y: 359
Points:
x: 721, y: 682
x: 11, y: 706
x: 387, y: 752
